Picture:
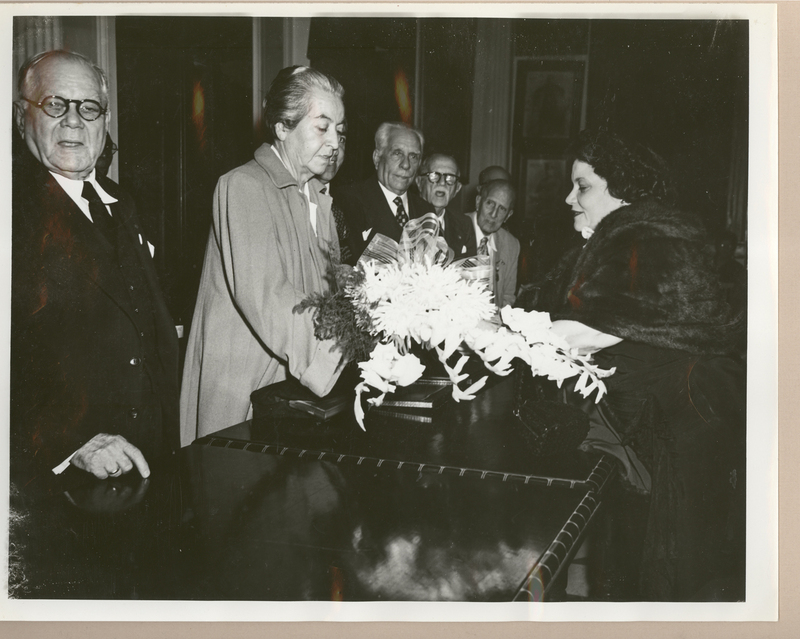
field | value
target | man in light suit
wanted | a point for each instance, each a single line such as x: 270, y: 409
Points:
x: 94, y: 351
x: 438, y: 183
x: 494, y: 206
x: 382, y: 203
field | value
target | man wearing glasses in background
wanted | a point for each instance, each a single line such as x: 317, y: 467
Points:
x: 94, y: 351
x: 438, y: 184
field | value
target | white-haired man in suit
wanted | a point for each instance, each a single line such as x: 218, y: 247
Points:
x: 382, y: 203
x: 94, y: 351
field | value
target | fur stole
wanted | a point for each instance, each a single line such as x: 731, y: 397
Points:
x: 646, y: 275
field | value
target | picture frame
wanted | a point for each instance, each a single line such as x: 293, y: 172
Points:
x: 541, y: 211
x: 548, y: 102
x: 545, y: 184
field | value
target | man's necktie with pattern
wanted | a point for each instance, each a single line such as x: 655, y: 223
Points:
x: 402, y: 216
x: 483, y: 248
x: 100, y: 216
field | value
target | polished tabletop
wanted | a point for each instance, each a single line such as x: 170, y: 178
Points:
x: 448, y: 510
x: 480, y: 436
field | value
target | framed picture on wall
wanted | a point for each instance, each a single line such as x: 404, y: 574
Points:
x: 543, y: 221
x: 548, y: 101
x: 546, y: 186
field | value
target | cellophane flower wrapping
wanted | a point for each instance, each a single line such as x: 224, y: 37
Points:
x: 412, y: 292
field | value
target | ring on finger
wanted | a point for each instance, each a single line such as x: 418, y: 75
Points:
x: 115, y: 472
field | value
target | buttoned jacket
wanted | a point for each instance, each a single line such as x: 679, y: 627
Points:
x: 78, y: 365
x: 367, y: 212
x: 459, y: 234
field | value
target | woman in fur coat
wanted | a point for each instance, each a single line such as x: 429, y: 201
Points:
x: 643, y: 296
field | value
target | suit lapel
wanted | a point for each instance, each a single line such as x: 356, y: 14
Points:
x: 451, y: 234
x: 503, y: 244
x: 498, y: 267
x: 131, y: 230
x: 165, y: 326
x: 91, y: 250
x: 381, y: 214
x: 414, y: 209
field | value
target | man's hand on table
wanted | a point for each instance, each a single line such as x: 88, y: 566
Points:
x: 110, y: 456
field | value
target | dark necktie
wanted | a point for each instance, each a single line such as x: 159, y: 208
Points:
x: 483, y: 248
x: 402, y: 216
x: 100, y: 216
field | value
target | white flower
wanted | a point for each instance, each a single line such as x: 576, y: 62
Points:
x: 385, y: 369
x: 419, y: 299
x: 386, y: 366
x: 535, y: 326
x: 407, y: 369
x: 525, y: 322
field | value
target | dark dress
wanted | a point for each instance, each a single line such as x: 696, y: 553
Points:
x: 677, y: 399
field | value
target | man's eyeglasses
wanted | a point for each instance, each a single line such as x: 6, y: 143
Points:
x: 55, y: 106
x: 435, y: 176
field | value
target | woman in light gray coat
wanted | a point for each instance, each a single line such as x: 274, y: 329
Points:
x: 269, y: 248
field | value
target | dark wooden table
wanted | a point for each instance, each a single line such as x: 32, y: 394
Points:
x: 455, y: 509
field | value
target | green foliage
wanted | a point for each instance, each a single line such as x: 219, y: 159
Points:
x: 335, y: 317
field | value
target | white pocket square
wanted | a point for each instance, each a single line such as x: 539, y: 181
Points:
x: 365, y: 234
x: 464, y: 249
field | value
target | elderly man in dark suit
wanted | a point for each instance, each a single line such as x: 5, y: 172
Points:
x: 438, y: 183
x: 94, y: 352
x: 382, y: 203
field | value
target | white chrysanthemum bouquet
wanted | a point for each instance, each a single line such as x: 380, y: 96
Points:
x: 412, y: 293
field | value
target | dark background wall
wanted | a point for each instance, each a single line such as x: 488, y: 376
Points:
x: 683, y: 91
x: 185, y: 90
x: 366, y: 55
x: 679, y: 86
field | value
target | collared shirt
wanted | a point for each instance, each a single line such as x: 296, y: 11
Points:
x: 490, y: 244
x: 74, y: 188
x: 479, y: 235
x: 312, y: 208
x: 390, y: 197
x: 441, y: 219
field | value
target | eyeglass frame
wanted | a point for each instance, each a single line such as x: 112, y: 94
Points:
x: 439, y: 175
x: 78, y: 103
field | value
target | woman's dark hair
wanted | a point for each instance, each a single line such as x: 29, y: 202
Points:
x: 289, y: 97
x: 632, y: 170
